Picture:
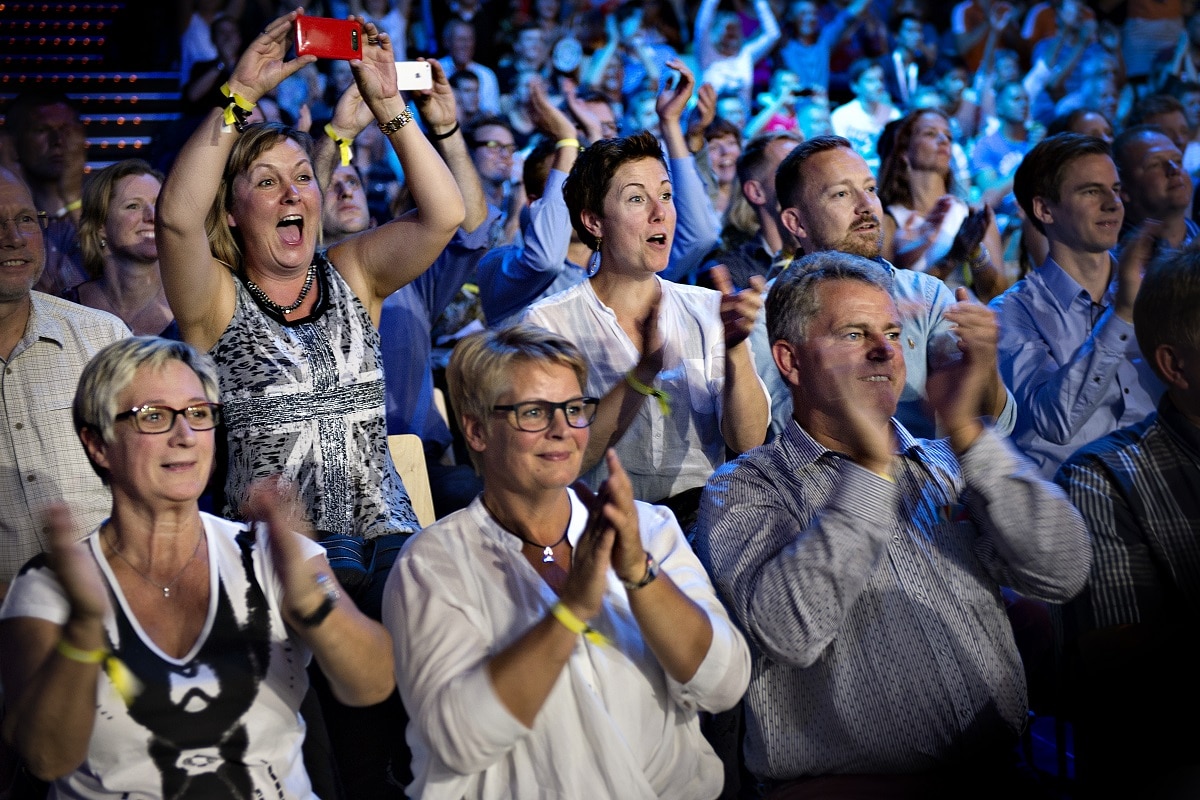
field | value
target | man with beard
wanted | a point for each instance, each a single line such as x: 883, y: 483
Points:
x: 44, y: 344
x: 827, y: 195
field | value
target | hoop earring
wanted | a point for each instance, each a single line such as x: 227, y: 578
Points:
x: 594, y: 262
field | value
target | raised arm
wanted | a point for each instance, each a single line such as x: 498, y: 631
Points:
x: 198, y: 287
x: 745, y: 409
x: 381, y: 260
x: 761, y: 44
x: 696, y: 223
x: 440, y: 115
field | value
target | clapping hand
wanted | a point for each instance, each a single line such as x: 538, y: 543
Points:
x: 739, y: 308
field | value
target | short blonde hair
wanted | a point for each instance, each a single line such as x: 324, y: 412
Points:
x: 112, y: 369
x: 480, y: 368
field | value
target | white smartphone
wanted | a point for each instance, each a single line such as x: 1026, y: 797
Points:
x: 413, y: 75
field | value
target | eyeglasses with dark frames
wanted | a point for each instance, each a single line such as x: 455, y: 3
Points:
x: 27, y: 223
x: 533, y: 416
x: 498, y: 147
x: 161, y: 419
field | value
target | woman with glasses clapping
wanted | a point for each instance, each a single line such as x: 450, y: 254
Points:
x: 165, y: 655
x: 550, y: 641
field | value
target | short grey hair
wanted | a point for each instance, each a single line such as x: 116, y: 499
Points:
x: 792, y: 302
x: 112, y: 369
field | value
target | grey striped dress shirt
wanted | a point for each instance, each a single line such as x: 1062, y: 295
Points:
x: 873, y: 610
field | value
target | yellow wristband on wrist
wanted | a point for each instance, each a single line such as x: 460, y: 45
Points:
x: 664, y: 400
x: 575, y: 625
x: 570, y: 142
x: 238, y: 110
x: 124, y: 682
x: 73, y: 653
x: 344, y: 152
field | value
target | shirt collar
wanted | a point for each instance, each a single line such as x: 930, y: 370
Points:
x: 42, y: 324
x: 1064, y: 289
x: 808, y: 450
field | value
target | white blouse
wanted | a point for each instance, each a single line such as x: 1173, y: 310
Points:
x: 614, y: 725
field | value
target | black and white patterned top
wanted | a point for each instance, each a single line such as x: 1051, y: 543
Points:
x: 221, y: 721
x: 306, y: 399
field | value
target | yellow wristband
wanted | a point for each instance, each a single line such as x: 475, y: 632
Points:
x: 70, y: 651
x: 125, y: 682
x: 664, y: 400
x: 74, y: 205
x: 343, y: 145
x: 575, y: 625
x: 238, y: 110
x: 571, y: 142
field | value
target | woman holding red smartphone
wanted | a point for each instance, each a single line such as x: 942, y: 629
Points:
x: 292, y: 327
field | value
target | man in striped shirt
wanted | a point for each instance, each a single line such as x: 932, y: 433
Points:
x: 1131, y: 634
x: 864, y: 565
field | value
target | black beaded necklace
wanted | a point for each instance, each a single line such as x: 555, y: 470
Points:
x: 261, y: 296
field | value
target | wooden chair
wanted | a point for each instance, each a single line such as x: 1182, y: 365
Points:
x: 408, y: 454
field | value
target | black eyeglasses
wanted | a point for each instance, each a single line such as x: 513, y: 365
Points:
x: 498, y: 147
x: 28, y: 223
x: 537, y: 415
x: 160, y: 419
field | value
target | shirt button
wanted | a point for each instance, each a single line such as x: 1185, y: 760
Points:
x: 31, y: 478
x: 19, y: 426
x: 1126, y: 391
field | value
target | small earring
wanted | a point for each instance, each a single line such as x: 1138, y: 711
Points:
x: 594, y: 262
x: 103, y: 243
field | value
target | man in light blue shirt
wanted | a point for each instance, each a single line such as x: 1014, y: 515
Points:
x: 827, y: 196
x: 1067, y: 346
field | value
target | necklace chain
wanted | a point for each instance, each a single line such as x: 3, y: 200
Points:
x: 261, y: 296
x: 547, y: 549
x: 166, y: 590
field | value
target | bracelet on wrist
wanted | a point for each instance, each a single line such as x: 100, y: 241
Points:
x: 344, y: 152
x: 575, y: 625
x: 322, y: 611
x: 397, y: 122
x: 124, y: 682
x: 237, y: 112
x: 647, y: 579
x: 664, y: 400
x: 568, y: 142
x: 437, y: 137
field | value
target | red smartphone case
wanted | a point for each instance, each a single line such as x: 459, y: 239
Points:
x: 325, y: 37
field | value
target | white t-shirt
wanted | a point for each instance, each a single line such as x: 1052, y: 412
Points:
x: 223, y: 721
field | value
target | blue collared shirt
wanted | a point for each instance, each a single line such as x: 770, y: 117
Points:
x: 1073, y: 365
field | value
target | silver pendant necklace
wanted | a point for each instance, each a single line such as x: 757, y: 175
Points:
x: 166, y: 589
